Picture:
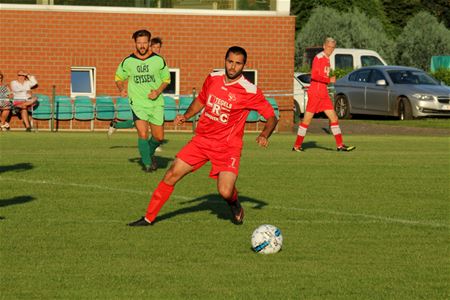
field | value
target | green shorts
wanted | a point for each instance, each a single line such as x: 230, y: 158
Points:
x: 154, y: 115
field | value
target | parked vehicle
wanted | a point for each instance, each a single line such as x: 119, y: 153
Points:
x: 398, y: 91
x: 301, y: 84
x: 347, y: 58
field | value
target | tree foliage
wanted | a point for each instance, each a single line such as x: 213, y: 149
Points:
x: 302, y: 9
x: 422, y: 37
x: 393, y: 14
x: 352, y: 29
x: 442, y: 75
x: 440, y: 9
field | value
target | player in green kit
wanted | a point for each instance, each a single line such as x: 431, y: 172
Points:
x: 147, y: 75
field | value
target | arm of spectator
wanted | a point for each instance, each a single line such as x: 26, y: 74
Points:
x: 32, y: 79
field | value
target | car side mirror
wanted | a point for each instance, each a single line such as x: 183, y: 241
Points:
x: 381, y: 82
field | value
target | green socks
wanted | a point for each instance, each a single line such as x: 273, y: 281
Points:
x: 153, y: 144
x: 147, y: 149
x: 144, y: 150
x: 124, y: 124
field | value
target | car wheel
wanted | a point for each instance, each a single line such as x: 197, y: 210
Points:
x: 404, y: 109
x: 342, y: 107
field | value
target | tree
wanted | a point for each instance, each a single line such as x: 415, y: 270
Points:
x: 352, y: 29
x: 422, y: 38
x: 302, y: 9
x: 440, y: 9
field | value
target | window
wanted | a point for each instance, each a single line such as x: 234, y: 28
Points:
x: 411, y: 77
x: 262, y: 5
x: 375, y: 76
x: 368, y: 60
x: 173, y: 89
x: 343, y: 61
x: 82, y: 81
x: 360, y: 76
x: 304, y: 78
x: 249, y: 74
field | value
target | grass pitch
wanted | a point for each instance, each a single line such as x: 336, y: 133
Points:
x: 370, y: 224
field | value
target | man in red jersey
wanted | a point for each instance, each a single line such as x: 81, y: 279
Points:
x: 319, y: 100
x: 226, y: 99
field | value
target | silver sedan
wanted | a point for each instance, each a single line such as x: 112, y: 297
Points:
x: 398, y: 91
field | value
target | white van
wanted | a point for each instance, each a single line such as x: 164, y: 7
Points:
x: 343, y: 58
x: 346, y: 58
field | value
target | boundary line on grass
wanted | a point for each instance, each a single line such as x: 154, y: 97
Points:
x: 374, y: 217
x: 325, y: 211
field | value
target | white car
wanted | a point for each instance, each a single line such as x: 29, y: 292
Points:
x: 301, y: 84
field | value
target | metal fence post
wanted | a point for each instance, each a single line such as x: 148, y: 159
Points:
x: 52, y: 106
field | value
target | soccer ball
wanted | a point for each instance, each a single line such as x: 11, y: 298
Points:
x: 267, y: 239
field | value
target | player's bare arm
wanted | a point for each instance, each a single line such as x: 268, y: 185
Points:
x: 155, y: 93
x: 195, y: 107
x: 122, y: 89
x: 263, y: 137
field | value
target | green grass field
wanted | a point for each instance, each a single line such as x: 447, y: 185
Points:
x: 439, y: 123
x: 370, y: 224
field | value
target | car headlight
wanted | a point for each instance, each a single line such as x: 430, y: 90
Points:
x: 424, y: 97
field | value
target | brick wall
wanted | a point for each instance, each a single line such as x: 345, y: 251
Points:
x: 47, y: 44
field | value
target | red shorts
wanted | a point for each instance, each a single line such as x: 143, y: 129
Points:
x: 21, y: 102
x: 223, y: 157
x: 318, y: 102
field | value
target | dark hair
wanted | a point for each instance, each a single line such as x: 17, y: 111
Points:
x: 156, y: 40
x: 237, y: 50
x: 140, y: 33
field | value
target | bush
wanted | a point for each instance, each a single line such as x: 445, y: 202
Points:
x: 442, y: 75
x: 352, y: 29
x: 422, y: 38
x: 339, y: 73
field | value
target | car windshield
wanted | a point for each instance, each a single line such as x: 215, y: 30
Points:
x: 411, y: 77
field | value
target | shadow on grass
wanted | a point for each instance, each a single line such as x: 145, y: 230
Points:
x: 16, y: 167
x: 16, y: 200
x: 212, y: 203
x: 312, y: 144
x: 132, y: 146
x: 122, y: 147
x: 162, y: 162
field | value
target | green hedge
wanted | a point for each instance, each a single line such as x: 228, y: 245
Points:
x: 339, y: 73
x: 442, y: 75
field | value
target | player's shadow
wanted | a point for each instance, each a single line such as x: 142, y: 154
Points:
x: 132, y: 146
x: 213, y: 203
x: 16, y: 167
x: 15, y: 201
x: 312, y: 144
x: 121, y: 147
x: 162, y: 162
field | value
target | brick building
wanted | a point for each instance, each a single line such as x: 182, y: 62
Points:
x: 49, y: 40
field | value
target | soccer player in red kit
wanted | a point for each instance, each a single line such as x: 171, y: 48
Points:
x: 226, y: 99
x: 319, y: 100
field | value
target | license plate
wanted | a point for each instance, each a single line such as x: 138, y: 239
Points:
x: 445, y: 106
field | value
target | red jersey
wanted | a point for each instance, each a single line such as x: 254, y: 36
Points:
x: 320, y: 73
x: 227, y: 106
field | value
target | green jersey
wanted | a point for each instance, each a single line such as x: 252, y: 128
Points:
x: 143, y: 75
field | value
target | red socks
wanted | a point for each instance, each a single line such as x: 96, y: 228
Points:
x: 302, y: 128
x: 336, y: 130
x: 160, y: 195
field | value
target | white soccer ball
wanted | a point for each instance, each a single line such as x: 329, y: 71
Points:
x: 267, y: 239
